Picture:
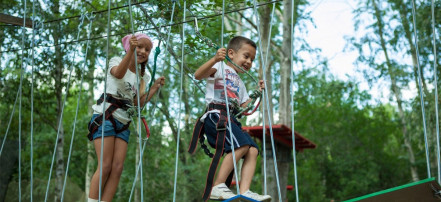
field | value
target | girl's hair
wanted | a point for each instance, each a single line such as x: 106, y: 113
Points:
x: 143, y: 65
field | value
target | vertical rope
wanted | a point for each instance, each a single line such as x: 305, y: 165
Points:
x: 60, y: 121
x: 436, y: 91
x: 154, y: 106
x: 32, y: 103
x: 291, y: 87
x: 20, y: 90
x: 10, y: 120
x: 180, y: 104
x: 77, y: 108
x: 226, y: 102
x: 104, y: 103
x: 420, y: 87
x: 256, y: 15
x: 265, y: 190
x: 138, y: 107
x: 265, y: 187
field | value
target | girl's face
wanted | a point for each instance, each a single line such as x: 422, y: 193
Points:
x: 243, y: 57
x: 143, y: 50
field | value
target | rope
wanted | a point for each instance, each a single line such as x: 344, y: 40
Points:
x: 227, y: 103
x: 166, y: 48
x: 268, y: 106
x: 137, y: 171
x: 210, y: 43
x: 180, y: 104
x: 420, y: 88
x: 436, y: 91
x: 122, y: 34
x: 139, y: 105
x: 292, y: 103
x: 263, y: 115
x: 32, y: 104
x: 159, y: 90
x: 265, y: 188
x: 60, y: 122
x: 19, y: 108
x: 104, y: 98
x: 10, y: 120
x: 76, y: 111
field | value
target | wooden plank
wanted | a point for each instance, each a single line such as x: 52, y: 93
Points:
x: 423, y: 190
x: 15, y: 20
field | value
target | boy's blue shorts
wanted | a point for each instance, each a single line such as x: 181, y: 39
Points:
x: 109, y: 130
x: 240, y: 137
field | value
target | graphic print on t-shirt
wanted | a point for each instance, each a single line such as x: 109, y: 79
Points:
x: 128, y: 89
x: 232, y: 80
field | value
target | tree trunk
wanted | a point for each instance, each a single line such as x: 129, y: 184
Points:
x: 397, y: 93
x: 265, y: 19
x: 402, y: 9
x: 58, y: 76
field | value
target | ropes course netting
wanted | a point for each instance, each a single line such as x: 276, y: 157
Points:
x: 265, y: 107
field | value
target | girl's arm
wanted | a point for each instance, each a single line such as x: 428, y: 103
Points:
x: 155, y: 87
x: 206, y: 69
x: 128, y: 60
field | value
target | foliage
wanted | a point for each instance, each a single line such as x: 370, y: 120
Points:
x: 360, y: 145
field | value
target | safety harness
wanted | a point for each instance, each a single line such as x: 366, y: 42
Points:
x: 114, y: 105
x: 198, y: 134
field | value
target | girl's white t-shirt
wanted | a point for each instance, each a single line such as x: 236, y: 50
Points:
x: 124, y: 89
x: 215, y: 86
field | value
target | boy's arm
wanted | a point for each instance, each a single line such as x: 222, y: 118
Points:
x: 261, y: 88
x: 206, y: 69
x: 120, y: 70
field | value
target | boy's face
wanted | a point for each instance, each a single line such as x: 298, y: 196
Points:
x: 143, y: 50
x: 243, y: 57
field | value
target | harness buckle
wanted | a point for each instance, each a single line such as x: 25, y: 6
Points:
x: 94, y: 122
x: 221, y: 129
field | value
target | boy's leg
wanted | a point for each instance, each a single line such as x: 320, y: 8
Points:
x: 119, y: 155
x: 107, y: 165
x: 248, y: 168
x: 227, y: 164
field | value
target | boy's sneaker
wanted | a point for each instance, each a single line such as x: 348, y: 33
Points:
x: 256, y: 196
x: 221, y: 192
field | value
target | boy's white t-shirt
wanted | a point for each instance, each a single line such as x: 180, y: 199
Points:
x: 124, y: 89
x: 215, y: 86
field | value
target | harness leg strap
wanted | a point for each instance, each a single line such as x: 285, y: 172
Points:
x: 197, y: 133
x: 220, y: 141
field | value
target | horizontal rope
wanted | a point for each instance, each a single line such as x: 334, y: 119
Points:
x: 152, y: 28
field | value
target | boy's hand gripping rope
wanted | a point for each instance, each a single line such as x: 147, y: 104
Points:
x: 256, y: 94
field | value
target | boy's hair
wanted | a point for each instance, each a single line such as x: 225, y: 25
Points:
x: 236, y: 43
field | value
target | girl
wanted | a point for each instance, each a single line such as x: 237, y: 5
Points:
x: 121, y: 93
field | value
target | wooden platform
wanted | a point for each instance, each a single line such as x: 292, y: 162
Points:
x: 282, y: 134
x: 427, y: 190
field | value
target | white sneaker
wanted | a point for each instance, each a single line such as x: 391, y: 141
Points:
x: 256, y: 196
x: 221, y: 192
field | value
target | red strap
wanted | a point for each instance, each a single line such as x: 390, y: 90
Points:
x: 147, y: 131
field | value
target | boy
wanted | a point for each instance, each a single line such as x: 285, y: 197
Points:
x: 242, y: 52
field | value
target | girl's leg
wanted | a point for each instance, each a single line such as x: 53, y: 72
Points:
x: 119, y: 155
x: 107, y: 165
x: 248, y: 168
x: 227, y: 164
